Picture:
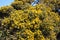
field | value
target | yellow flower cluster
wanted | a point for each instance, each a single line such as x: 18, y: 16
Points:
x: 32, y: 23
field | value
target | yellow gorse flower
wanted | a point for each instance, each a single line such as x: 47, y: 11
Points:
x: 22, y: 21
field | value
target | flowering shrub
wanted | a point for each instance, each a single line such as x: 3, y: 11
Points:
x: 53, y: 4
x: 29, y: 22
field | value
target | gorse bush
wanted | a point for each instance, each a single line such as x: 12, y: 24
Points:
x: 53, y: 4
x: 4, y: 11
x: 22, y: 21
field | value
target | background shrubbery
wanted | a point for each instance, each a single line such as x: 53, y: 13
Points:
x: 22, y: 21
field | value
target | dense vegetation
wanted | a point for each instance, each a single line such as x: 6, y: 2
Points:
x: 22, y: 21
